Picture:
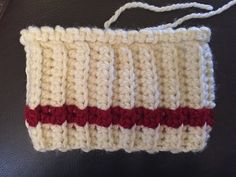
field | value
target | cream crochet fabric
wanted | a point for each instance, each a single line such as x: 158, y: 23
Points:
x: 88, y: 88
x: 90, y: 67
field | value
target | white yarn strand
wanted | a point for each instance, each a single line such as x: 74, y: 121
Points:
x: 146, y: 6
x: 196, y: 16
x: 170, y: 8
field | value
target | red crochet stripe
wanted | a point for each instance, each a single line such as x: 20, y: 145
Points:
x: 119, y: 116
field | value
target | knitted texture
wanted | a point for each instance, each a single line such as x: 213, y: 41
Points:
x: 88, y: 88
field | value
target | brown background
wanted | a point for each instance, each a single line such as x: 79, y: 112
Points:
x: 17, y: 157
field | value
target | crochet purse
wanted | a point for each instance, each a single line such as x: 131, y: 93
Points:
x: 150, y: 89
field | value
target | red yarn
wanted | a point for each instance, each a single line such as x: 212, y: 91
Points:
x: 126, y: 118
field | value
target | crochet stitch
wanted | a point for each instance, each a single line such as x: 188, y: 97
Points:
x: 148, y: 89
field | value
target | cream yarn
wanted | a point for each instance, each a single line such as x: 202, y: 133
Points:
x: 155, y: 69
x: 92, y: 67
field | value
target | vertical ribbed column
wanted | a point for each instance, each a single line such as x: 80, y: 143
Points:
x: 127, y: 138
x: 34, y: 74
x: 181, y: 74
x: 36, y: 135
x: 192, y: 71
x: 101, y: 76
x: 59, y: 136
x: 209, y: 74
x: 114, y: 137
x: 202, y: 76
x: 78, y: 136
x: 102, y: 138
x: 169, y: 82
x: 77, y: 75
x: 157, y: 49
x: 147, y: 139
x: 147, y: 94
x: 53, y: 74
x: 48, y: 138
x: 124, y: 83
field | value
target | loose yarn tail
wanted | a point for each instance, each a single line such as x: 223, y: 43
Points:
x: 172, y: 7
